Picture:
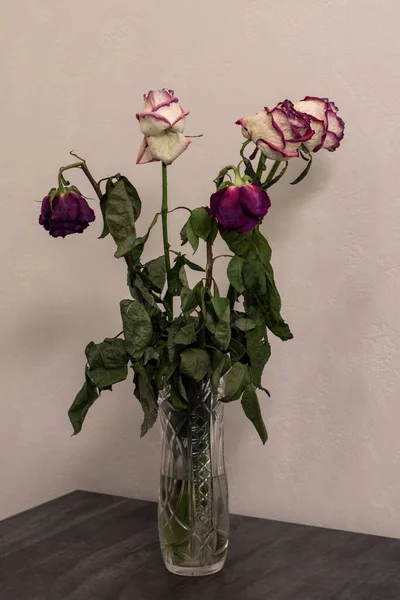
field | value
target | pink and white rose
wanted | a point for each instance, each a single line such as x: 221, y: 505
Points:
x: 279, y: 132
x: 328, y: 127
x: 162, y: 121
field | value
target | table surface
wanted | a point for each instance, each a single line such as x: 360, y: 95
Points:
x: 87, y: 546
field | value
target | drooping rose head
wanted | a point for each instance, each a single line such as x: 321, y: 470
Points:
x: 239, y: 208
x: 328, y: 127
x: 67, y: 213
x: 162, y: 121
x: 279, y: 132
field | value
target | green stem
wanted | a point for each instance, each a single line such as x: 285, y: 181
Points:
x: 261, y: 165
x: 164, y: 222
x: 209, y: 267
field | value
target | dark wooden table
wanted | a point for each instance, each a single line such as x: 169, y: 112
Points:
x: 87, y: 546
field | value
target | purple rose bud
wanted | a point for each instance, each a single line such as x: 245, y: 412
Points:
x: 240, y: 208
x: 67, y: 213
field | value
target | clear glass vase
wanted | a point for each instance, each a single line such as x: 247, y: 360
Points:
x: 193, y: 514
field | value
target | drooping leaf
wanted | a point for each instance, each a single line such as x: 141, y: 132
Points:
x: 244, y: 324
x: 254, y: 277
x: 221, y: 176
x: 187, y: 334
x: 165, y: 371
x: 238, y: 243
x: 173, y: 329
x: 222, y: 333
x: 210, y: 322
x: 120, y: 218
x: 272, y: 308
x: 236, y: 349
x: 177, y: 399
x: 188, y: 235
x: 201, y: 223
x: 193, y: 265
x: 84, y: 399
x: 145, y: 394
x: 195, y: 363
x: 236, y: 381
x: 220, y: 365
x: 156, y: 272
x: 252, y: 410
x: 133, y: 196
x: 214, y: 231
x: 263, y: 249
x: 188, y: 300
x: 107, y: 362
x: 137, y: 327
x: 235, y: 276
x: 139, y: 243
x: 175, y: 277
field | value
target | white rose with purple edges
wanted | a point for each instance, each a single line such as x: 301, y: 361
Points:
x: 328, y: 127
x: 279, y: 132
x: 162, y: 121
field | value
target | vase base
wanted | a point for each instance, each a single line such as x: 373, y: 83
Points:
x: 195, y: 571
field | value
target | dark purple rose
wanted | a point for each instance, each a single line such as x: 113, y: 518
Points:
x: 239, y: 208
x: 68, y: 213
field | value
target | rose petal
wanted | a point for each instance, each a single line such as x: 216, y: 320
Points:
x: 167, y: 146
x: 255, y: 200
x: 250, y: 223
x: 275, y: 153
x: 171, y: 113
x: 229, y: 211
x: 144, y: 154
x: 152, y: 123
x: 157, y: 97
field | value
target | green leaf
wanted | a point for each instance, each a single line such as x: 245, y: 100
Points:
x: 150, y: 354
x: 220, y: 365
x: 244, y: 324
x: 254, y: 277
x: 272, y: 308
x: 195, y: 363
x: 210, y: 323
x: 84, y: 399
x: 304, y: 173
x: 107, y: 362
x: 173, y: 329
x: 236, y: 380
x: 133, y: 196
x: 214, y: 231
x: 192, y: 265
x: 201, y: 223
x: 120, y: 219
x: 139, y: 243
x: 145, y: 394
x: 252, y: 410
x: 187, y: 334
x: 238, y: 243
x: 188, y: 235
x: 188, y: 300
x: 262, y: 247
x: 222, y: 333
x: 235, y: 277
x: 236, y: 349
x: 257, y: 345
x: 137, y: 327
x: 103, y: 204
x: 175, y: 277
x: 156, y: 272
x: 191, y: 236
x: 165, y: 371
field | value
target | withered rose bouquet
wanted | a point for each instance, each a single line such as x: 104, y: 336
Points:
x: 222, y: 338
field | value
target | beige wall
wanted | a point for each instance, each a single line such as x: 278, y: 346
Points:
x: 72, y: 78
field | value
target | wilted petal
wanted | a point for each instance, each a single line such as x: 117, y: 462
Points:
x: 255, y: 201
x: 172, y: 112
x: 229, y: 211
x: 144, y: 154
x: 167, y: 146
x: 152, y: 123
x: 157, y: 97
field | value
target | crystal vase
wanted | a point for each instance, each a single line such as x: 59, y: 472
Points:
x: 193, y: 514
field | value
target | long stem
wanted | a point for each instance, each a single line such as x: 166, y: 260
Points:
x: 209, y: 266
x: 164, y: 222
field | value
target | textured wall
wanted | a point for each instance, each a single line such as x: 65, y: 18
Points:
x: 72, y: 77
